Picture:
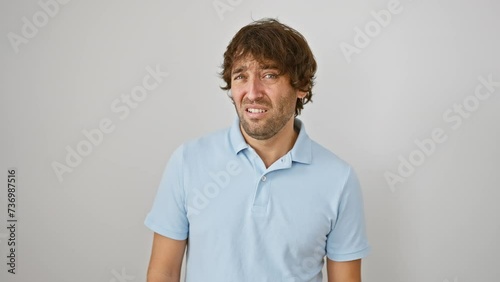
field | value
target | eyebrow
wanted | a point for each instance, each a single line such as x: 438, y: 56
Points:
x: 241, y: 69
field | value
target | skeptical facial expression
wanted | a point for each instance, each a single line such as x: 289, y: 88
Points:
x: 263, y: 98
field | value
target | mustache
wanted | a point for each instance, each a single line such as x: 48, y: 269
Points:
x: 249, y: 102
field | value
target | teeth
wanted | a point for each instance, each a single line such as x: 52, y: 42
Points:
x: 256, y: 111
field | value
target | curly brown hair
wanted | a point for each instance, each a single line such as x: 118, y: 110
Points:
x: 269, y: 40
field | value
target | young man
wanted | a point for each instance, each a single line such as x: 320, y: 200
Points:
x: 260, y: 201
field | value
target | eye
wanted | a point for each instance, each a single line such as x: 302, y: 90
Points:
x: 238, y: 77
x: 270, y: 75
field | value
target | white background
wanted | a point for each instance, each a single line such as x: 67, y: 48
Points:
x: 441, y: 224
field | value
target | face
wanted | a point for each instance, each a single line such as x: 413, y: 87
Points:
x: 263, y: 98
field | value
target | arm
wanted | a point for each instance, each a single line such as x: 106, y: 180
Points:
x: 166, y: 259
x: 344, y: 271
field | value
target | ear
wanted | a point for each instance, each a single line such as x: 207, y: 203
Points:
x: 301, y: 94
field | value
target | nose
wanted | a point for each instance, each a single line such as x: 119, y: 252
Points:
x: 255, y: 88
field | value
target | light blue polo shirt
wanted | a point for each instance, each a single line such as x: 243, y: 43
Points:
x: 248, y: 223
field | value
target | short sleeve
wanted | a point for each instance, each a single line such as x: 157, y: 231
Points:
x: 168, y: 213
x: 347, y: 239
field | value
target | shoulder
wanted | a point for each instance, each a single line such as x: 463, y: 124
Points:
x: 338, y: 173
x: 207, y: 139
x: 210, y: 144
x: 324, y: 157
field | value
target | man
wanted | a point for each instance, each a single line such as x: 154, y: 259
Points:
x: 259, y: 201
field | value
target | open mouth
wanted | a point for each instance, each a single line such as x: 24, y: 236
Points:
x: 256, y: 111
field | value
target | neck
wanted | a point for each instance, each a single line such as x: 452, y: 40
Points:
x: 272, y: 149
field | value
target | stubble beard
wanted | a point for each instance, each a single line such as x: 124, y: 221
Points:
x: 266, y: 128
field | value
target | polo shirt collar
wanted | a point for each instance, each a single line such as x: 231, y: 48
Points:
x: 301, y: 151
x: 236, y: 138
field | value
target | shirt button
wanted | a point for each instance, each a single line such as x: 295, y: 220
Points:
x: 263, y: 178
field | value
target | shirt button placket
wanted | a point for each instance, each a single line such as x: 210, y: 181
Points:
x: 262, y: 196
